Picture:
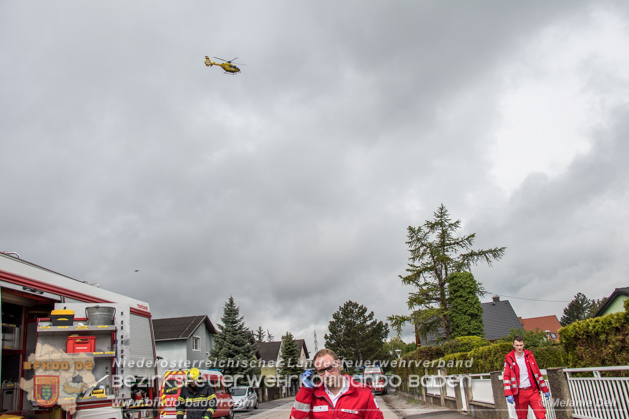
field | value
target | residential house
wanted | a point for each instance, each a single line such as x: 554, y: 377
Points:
x: 184, y: 342
x: 270, y: 357
x: 548, y: 324
x: 499, y: 318
x: 614, y: 303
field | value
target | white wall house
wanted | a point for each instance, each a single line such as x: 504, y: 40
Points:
x: 183, y: 342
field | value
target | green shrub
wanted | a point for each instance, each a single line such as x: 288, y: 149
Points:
x: 463, y: 344
x: 551, y: 356
x: 412, y: 363
x: 601, y: 341
x: 491, y: 358
x: 532, y: 339
x: 427, y: 353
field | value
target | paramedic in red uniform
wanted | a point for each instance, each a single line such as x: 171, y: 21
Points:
x: 336, y: 396
x: 523, y: 381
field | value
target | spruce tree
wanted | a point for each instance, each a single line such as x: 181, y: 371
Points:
x: 290, y: 363
x: 578, y: 309
x: 234, y: 345
x: 355, y: 335
x: 596, y: 305
x: 435, y: 253
x: 260, y: 335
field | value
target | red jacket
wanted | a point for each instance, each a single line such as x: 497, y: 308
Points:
x: 357, y: 402
x: 511, y: 374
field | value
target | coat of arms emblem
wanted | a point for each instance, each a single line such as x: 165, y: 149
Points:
x: 46, y: 389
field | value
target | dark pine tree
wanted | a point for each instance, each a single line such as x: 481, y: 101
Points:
x: 260, y: 335
x: 435, y: 253
x: 234, y: 345
x: 596, y: 305
x: 355, y: 335
x: 290, y: 366
x: 578, y: 309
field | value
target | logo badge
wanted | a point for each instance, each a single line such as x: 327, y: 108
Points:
x: 46, y: 389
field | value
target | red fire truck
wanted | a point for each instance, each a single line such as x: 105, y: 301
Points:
x: 71, y: 349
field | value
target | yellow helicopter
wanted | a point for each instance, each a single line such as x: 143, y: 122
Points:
x: 227, y: 65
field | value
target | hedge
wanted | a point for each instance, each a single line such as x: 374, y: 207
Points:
x: 480, y: 360
x: 463, y: 344
x: 597, y: 342
x: 601, y: 341
x: 484, y: 359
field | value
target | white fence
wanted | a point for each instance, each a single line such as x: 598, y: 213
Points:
x: 433, y: 384
x: 481, y: 388
x: 482, y: 391
x: 599, y: 397
x: 548, y: 404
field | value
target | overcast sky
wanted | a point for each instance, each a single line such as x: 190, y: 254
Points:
x: 290, y: 186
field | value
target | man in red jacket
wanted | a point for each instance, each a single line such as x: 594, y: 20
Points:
x: 336, y: 396
x: 523, y: 381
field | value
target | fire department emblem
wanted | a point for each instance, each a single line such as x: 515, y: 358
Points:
x: 46, y: 389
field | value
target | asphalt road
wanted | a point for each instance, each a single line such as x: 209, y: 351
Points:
x: 280, y: 405
x: 280, y: 409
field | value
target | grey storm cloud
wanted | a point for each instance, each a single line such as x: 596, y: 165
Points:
x: 290, y: 185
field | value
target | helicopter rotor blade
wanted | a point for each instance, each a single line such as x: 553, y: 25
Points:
x: 229, y: 61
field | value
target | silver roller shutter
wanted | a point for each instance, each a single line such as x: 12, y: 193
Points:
x: 142, y: 350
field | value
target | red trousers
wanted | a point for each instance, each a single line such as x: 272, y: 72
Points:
x: 529, y: 397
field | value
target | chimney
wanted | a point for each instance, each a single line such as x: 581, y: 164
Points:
x: 496, y: 299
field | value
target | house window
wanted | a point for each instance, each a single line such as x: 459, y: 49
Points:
x: 196, y: 343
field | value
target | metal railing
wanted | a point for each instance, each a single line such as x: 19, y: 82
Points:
x: 599, y: 397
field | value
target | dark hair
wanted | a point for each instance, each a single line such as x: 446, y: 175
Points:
x: 518, y: 338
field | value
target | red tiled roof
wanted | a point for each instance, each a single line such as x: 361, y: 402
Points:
x: 543, y: 323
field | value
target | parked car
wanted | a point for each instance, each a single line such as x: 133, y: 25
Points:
x: 172, y: 382
x: 245, y: 398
